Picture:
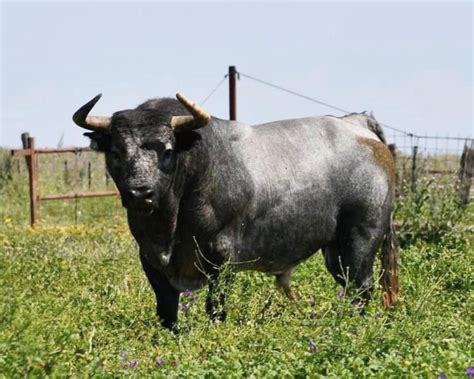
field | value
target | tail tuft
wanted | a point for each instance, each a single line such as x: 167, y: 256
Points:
x: 389, y: 275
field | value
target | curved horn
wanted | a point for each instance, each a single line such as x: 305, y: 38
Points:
x: 95, y: 123
x: 198, y: 119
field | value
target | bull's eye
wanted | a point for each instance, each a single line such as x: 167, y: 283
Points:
x: 166, y: 162
x: 167, y: 154
x: 150, y: 146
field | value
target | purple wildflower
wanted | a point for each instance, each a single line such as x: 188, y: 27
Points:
x: 442, y: 376
x: 312, y: 302
x: 312, y: 346
x: 470, y: 371
x: 160, y: 362
x: 184, y: 306
x: 341, y: 294
x: 133, y: 363
x: 356, y: 303
x: 312, y: 314
x: 187, y: 293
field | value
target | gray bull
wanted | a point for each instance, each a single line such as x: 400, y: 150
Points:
x: 201, y: 192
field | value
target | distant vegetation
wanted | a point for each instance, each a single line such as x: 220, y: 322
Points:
x: 75, y: 302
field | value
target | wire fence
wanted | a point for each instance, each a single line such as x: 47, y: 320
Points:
x: 416, y: 155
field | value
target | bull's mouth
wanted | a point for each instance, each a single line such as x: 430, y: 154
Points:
x: 144, y: 207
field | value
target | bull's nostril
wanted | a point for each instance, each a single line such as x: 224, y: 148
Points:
x: 141, y: 193
x: 148, y: 194
x: 132, y: 193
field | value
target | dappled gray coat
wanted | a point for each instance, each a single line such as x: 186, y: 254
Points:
x: 201, y: 192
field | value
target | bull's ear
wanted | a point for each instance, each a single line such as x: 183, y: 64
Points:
x: 184, y: 141
x: 99, y: 141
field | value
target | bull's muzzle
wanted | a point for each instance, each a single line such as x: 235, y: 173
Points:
x: 164, y: 258
x: 140, y: 199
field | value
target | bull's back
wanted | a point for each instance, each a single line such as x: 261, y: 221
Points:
x: 315, y: 155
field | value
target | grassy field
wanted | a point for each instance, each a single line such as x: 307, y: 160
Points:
x: 75, y: 302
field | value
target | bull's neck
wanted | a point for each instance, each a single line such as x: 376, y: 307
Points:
x: 211, y: 152
x: 217, y: 183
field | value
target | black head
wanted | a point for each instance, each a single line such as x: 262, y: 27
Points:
x: 141, y: 146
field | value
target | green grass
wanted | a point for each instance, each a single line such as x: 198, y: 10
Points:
x: 75, y: 302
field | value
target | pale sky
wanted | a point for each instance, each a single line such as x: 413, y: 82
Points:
x: 410, y: 63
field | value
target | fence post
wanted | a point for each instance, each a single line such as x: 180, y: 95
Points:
x: 107, y: 177
x: 466, y: 171
x: 413, y: 169
x: 232, y: 93
x: 89, y: 174
x: 33, y: 176
x: 24, y: 142
x: 66, y: 174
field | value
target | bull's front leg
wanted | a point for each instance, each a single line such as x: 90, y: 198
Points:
x: 167, y: 297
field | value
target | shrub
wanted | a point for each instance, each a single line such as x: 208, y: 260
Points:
x: 430, y: 212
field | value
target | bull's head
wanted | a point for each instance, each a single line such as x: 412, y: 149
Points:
x: 140, y: 146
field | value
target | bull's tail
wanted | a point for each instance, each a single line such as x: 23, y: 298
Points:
x: 375, y: 127
x: 389, y: 275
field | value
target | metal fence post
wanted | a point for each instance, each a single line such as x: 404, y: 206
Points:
x: 232, y: 93
x: 66, y: 174
x: 413, y: 169
x: 466, y: 171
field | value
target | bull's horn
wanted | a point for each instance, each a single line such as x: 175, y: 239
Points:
x: 95, y: 123
x: 198, y: 119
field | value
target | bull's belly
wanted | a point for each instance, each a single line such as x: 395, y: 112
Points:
x: 272, y: 264
x: 276, y: 257
x: 279, y: 242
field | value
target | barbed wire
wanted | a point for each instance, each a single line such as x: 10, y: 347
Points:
x: 328, y: 105
x: 294, y: 93
x: 312, y: 99
x: 214, y: 90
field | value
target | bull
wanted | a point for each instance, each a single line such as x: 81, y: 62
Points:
x: 202, y: 193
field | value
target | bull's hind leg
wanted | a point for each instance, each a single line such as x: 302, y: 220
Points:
x: 283, y: 283
x: 350, y: 257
